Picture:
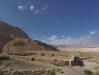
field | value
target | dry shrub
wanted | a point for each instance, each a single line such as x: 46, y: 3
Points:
x: 42, y: 54
x: 33, y: 59
x: 58, y: 63
x: 51, y: 73
x: 88, y: 72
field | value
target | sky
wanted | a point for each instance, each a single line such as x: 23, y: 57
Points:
x: 54, y: 21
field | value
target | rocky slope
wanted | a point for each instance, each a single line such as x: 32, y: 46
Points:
x: 21, y: 46
x: 8, y: 32
x: 14, y: 40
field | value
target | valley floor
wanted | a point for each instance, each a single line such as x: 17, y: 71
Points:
x: 57, y: 60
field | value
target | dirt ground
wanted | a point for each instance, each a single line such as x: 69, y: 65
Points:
x: 91, y: 61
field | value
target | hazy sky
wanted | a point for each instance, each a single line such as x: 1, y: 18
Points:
x: 54, y: 20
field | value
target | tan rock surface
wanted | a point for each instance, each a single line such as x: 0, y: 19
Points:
x: 21, y: 46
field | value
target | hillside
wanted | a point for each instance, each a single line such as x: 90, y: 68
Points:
x: 21, y: 46
x: 15, y: 39
x: 8, y: 32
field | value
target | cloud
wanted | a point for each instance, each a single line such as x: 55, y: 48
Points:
x: 54, y: 37
x: 41, y: 10
x: 37, y: 11
x: 93, y: 32
x: 59, y: 40
x: 20, y: 7
x: 31, y: 7
x: 91, y: 38
x: 44, y: 7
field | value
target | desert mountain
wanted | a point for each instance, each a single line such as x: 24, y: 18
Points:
x: 8, y: 32
x: 22, y: 46
x: 13, y: 39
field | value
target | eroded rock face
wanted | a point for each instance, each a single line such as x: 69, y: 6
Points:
x: 21, y: 46
x: 8, y: 32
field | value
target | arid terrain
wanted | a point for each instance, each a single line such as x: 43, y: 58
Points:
x: 20, y: 55
x: 59, y: 61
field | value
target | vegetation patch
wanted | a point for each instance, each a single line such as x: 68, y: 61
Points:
x: 51, y: 73
x: 58, y: 63
x: 88, y: 72
x: 33, y: 59
x: 42, y: 54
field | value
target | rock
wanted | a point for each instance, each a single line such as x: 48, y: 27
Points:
x: 14, y: 40
x: 8, y: 32
x: 22, y: 46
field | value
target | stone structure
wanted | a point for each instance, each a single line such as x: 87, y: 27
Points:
x: 75, y: 61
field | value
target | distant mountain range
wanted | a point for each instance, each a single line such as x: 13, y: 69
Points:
x: 76, y: 46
